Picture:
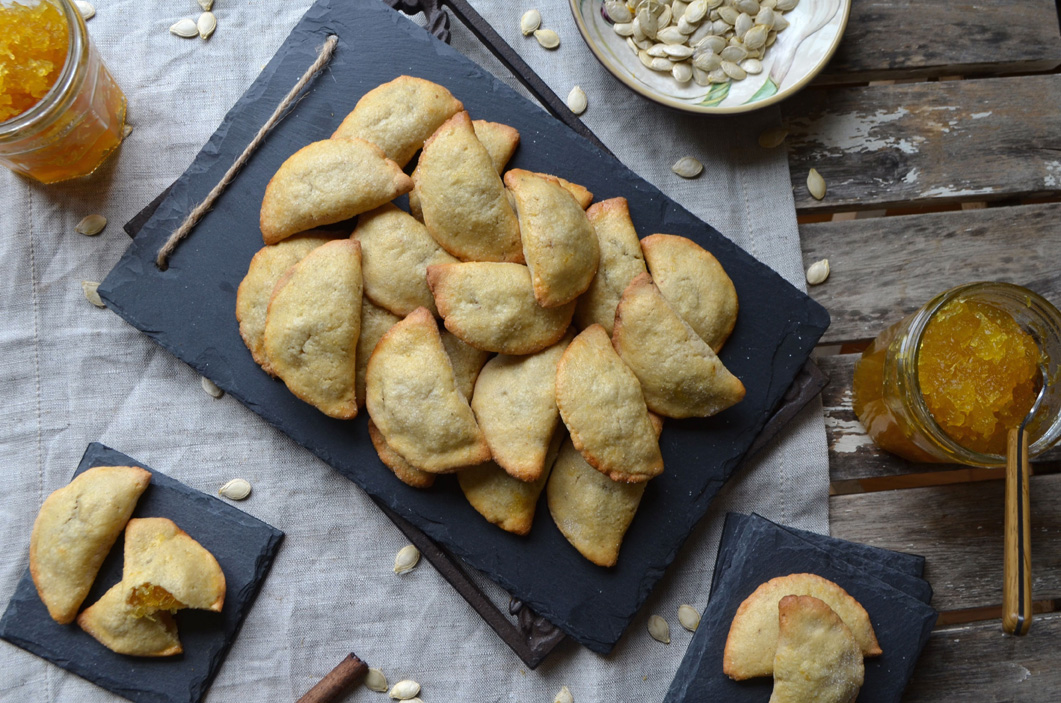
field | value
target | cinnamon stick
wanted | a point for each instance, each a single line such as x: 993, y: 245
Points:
x: 337, y: 681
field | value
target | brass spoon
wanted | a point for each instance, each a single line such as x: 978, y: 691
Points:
x: 1017, y: 569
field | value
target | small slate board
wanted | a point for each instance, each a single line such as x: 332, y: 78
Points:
x: 189, y: 310
x: 244, y: 547
x: 754, y: 550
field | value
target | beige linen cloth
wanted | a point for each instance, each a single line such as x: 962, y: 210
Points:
x: 72, y: 374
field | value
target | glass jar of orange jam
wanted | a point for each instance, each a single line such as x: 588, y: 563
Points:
x: 61, y: 113
x: 947, y: 383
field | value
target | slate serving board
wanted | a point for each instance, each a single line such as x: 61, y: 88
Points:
x: 754, y: 550
x: 189, y: 310
x: 244, y: 547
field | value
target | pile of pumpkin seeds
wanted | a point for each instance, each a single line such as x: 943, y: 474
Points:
x: 706, y: 41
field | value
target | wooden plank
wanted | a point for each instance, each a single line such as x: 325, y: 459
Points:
x: 925, y: 144
x: 922, y: 38
x: 958, y: 529
x: 977, y: 663
x: 883, y: 269
x: 852, y: 454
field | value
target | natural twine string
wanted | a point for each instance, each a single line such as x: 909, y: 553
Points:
x: 201, y: 209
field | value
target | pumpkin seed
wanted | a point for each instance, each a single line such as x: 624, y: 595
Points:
x: 127, y: 130
x: 664, y: 18
x: 623, y: 29
x: 92, y: 294
x: 645, y: 59
x: 688, y: 617
x: 236, y: 489
x: 211, y: 387
x: 617, y: 11
x: 376, y: 681
x: 734, y: 71
x: 86, y: 9
x: 207, y: 5
x: 717, y: 76
x: 765, y: 17
x: 577, y: 101
x: 185, y: 28
x: 687, y: 167
x: 649, y: 23
x: 734, y: 54
x: 728, y: 15
x: 91, y: 225
x: 712, y: 4
x: 686, y: 27
x: 547, y: 38
x: 780, y: 23
x: 752, y: 67
x: 786, y: 5
x: 707, y: 61
x: 531, y: 20
x: 749, y: 6
x: 670, y: 35
x: 206, y: 25
x: 657, y: 51
x: 701, y: 77
x: 818, y: 271
x: 404, y: 690
x: 816, y: 184
x: 772, y: 137
x: 714, y: 43
x: 682, y: 72
x: 658, y: 64
x: 756, y: 37
x: 677, y: 51
x: 406, y: 559
x: 742, y: 25
x: 659, y: 629
x: 696, y: 11
x: 632, y: 44
x: 564, y: 696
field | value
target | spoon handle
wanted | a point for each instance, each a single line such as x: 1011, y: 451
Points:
x: 1017, y: 584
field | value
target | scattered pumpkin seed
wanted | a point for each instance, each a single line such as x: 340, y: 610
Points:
x: 531, y: 20
x: 127, y: 130
x: 206, y: 25
x: 207, y: 5
x: 91, y: 225
x: 376, y: 681
x: 772, y: 137
x: 659, y: 629
x: 211, y: 387
x: 185, y: 28
x: 577, y: 101
x: 564, y: 696
x: 818, y: 272
x: 407, y: 558
x: 687, y: 167
x: 816, y: 184
x: 92, y: 294
x: 86, y: 9
x: 688, y: 617
x: 547, y: 38
x: 404, y: 690
x: 236, y: 489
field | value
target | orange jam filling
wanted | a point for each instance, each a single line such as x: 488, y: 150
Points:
x: 33, y: 45
x: 148, y: 598
x: 978, y: 372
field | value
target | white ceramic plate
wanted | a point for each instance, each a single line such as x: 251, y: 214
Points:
x: 798, y: 54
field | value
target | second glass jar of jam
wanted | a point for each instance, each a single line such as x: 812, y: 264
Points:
x: 948, y: 382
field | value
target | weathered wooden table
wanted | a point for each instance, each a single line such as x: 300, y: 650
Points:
x: 937, y: 128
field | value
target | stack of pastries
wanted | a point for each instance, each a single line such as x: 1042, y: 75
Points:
x: 564, y: 339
